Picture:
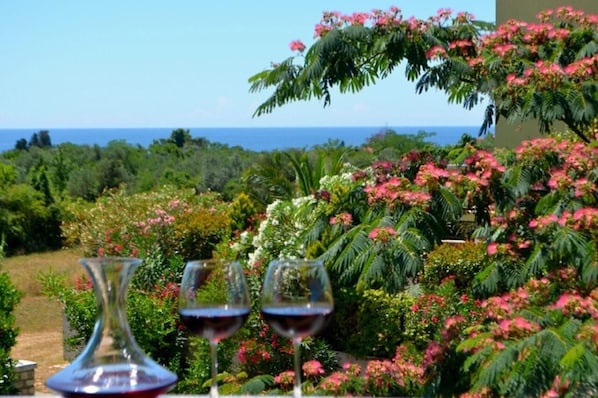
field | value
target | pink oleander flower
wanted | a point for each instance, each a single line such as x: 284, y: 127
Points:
x: 493, y: 248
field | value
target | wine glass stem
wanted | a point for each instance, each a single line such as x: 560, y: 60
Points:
x: 214, y: 354
x: 297, y: 387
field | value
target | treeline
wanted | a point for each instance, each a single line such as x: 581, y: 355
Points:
x: 37, y: 179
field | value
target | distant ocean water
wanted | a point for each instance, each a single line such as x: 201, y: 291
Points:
x: 250, y: 138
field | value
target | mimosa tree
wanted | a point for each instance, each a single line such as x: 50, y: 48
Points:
x: 547, y: 70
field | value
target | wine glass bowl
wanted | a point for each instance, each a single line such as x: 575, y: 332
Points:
x: 213, y: 303
x: 297, y: 302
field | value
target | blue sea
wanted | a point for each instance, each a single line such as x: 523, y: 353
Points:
x: 250, y: 138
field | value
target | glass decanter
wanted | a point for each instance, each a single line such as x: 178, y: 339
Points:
x: 112, y: 363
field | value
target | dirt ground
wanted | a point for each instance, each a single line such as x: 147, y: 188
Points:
x: 44, y: 348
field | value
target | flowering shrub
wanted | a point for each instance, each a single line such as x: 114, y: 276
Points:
x: 551, y: 219
x: 545, y: 330
x: 536, y: 216
x: 166, y: 223
x: 268, y: 353
x: 152, y: 316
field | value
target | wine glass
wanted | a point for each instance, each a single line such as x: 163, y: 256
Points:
x: 296, y: 302
x: 213, y: 303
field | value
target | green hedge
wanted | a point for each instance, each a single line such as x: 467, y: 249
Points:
x: 9, y: 298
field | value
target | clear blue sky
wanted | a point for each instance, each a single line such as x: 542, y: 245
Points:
x: 185, y: 63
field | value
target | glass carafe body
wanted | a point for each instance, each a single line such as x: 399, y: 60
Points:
x: 112, y: 363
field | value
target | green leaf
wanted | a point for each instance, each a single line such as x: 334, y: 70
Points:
x: 573, y: 355
x: 256, y: 385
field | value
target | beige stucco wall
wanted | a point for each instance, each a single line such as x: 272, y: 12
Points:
x: 511, y: 134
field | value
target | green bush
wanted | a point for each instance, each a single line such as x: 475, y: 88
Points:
x: 459, y: 261
x: 9, y: 298
x: 197, y: 233
x: 242, y: 212
x: 368, y: 324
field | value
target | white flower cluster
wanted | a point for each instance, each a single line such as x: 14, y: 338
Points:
x: 345, y: 178
x: 280, y: 235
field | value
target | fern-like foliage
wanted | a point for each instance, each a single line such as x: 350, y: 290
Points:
x: 256, y: 385
x: 528, y: 366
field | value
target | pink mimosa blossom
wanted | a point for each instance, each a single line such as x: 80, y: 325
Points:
x: 285, y: 379
x: 382, y: 234
x: 313, y: 368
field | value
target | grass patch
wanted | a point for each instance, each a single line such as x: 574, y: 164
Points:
x: 36, y: 312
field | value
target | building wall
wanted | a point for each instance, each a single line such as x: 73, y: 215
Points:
x: 511, y: 134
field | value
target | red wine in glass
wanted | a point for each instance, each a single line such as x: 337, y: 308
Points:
x: 296, y: 302
x: 214, y: 323
x: 213, y: 303
x: 293, y: 322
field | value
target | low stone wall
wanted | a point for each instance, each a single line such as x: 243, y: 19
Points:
x: 25, y: 377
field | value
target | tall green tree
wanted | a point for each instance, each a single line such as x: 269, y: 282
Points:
x: 180, y: 137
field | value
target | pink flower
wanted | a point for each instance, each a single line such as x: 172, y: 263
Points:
x: 343, y: 218
x: 382, y: 234
x: 333, y: 384
x: 436, y: 52
x: 352, y: 369
x: 493, y: 248
x: 313, y: 368
x: 286, y: 378
x: 297, y: 45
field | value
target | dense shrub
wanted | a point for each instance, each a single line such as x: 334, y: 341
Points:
x: 9, y: 298
x: 462, y: 262
x: 28, y: 221
x: 368, y: 323
x: 198, y: 231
